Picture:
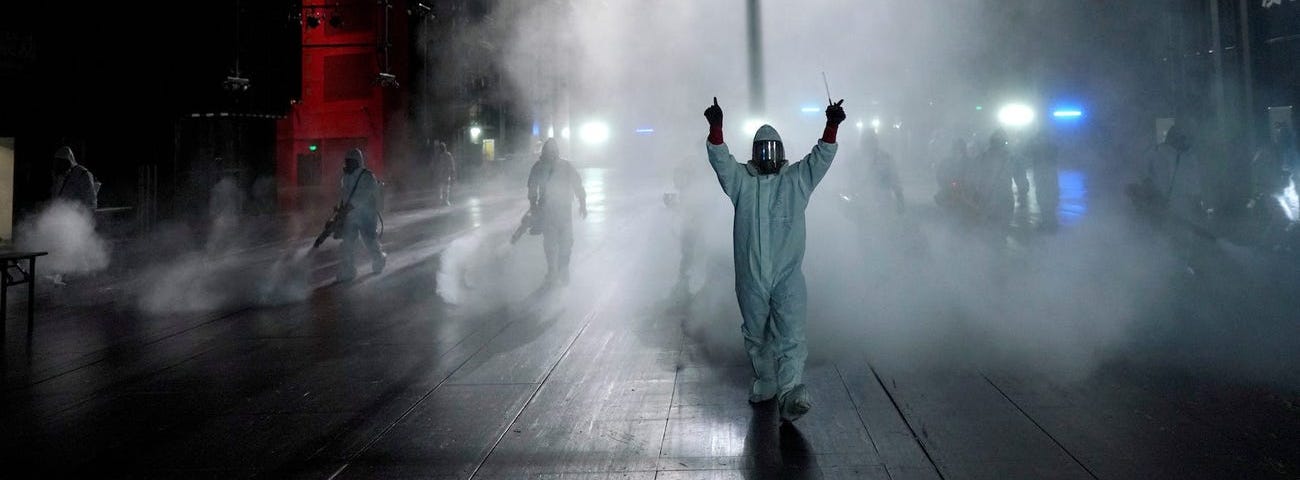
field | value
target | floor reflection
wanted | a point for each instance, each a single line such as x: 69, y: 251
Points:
x: 593, y: 181
x: 775, y: 449
x: 1074, y: 196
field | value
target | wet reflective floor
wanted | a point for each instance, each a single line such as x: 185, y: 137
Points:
x: 454, y: 364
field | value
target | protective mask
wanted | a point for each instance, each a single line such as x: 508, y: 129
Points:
x: 769, y: 156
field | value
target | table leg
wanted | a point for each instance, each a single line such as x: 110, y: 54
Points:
x: 4, y: 297
x: 31, y: 293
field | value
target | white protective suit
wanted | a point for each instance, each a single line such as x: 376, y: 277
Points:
x: 768, y: 237
x: 360, y: 189
x: 76, y: 184
x: 553, y: 183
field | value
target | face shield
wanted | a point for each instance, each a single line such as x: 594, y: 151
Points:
x: 768, y: 156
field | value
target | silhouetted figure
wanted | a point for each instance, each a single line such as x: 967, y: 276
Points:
x: 1042, y: 154
x: 444, y: 173
x: 359, y: 196
x: 882, y: 172
x: 552, y: 185
x: 690, y: 202
x: 72, y: 181
x: 988, y: 193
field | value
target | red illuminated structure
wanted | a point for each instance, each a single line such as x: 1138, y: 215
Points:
x: 346, y: 46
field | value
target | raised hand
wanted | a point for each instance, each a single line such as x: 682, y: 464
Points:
x: 714, y: 114
x: 835, y: 113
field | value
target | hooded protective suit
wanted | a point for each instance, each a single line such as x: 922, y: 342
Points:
x: 72, y: 181
x: 360, y: 189
x: 553, y: 183
x: 768, y: 248
x: 992, y: 179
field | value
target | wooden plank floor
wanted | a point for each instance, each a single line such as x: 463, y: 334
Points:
x: 608, y: 378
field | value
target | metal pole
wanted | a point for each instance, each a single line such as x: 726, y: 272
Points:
x: 31, y: 295
x: 757, y: 96
x: 1216, y: 42
x: 387, y: 6
x: 1247, y: 72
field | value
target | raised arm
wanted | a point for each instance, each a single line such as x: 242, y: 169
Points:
x: 814, y: 166
x: 724, y: 165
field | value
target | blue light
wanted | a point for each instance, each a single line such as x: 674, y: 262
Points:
x: 810, y: 109
x: 1067, y: 113
x: 537, y: 129
x: 645, y: 131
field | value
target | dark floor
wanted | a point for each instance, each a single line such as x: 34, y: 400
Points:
x: 384, y: 378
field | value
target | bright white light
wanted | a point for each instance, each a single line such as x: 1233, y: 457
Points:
x: 1067, y: 114
x: 645, y: 131
x: 875, y: 123
x: 564, y: 133
x: 1016, y: 115
x: 810, y: 109
x: 859, y: 125
x: 1290, y: 202
x: 594, y: 133
x: 751, y: 126
x: 550, y: 132
x: 474, y: 132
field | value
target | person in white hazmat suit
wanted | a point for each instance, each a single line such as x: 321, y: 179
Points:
x: 72, y: 181
x: 359, y: 192
x: 768, y: 236
x: 553, y: 183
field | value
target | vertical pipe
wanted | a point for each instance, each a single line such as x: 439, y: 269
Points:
x: 1216, y: 42
x: 31, y: 298
x: 1218, y: 134
x: 757, y: 95
x: 387, y: 7
x: 1247, y: 71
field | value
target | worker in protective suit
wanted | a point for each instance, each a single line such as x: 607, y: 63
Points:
x: 690, y: 200
x: 948, y: 173
x: 882, y: 172
x: 991, y: 181
x: 768, y: 236
x: 359, y: 194
x: 552, y: 185
x: 1171, y: 183
x: 444, y: 173
x: 1042, y: 153
x: 72, y: 181
x: 74, y: 184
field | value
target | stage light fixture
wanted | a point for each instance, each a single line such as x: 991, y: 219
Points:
x: 387, y: 80
x: 236, y: 84
x: 420, y: 10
